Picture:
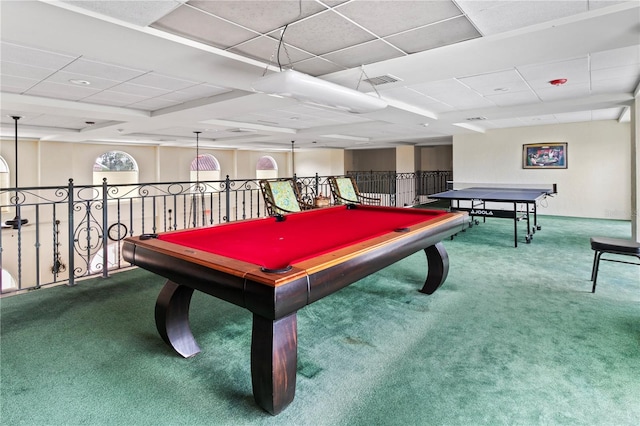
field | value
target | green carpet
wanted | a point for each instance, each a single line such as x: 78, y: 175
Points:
x: 513, y: 337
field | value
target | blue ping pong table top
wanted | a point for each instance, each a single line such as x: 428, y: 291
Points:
x: 522, y: 195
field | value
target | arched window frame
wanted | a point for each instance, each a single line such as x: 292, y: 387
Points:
x: 114, y: 176
x: 266, y: 168
x: 5, y: 197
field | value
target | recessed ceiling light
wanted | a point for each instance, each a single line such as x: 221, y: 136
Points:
x: 80, y: 82
x: 425, y: 124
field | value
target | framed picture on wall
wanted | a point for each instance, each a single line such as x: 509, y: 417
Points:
x: 551, y: 155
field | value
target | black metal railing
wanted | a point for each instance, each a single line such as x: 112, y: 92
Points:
x: 75, y: 231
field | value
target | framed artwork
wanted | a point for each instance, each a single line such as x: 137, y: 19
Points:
x: 551, y: 155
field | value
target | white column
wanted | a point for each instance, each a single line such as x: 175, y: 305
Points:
x: 405, y: 159
x: 635, y: 168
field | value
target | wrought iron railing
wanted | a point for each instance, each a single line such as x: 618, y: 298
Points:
x: 75, y: 231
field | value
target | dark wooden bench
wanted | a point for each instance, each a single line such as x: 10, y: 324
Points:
x: 620, y: 246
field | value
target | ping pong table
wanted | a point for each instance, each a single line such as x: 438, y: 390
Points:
x: 515, y: 203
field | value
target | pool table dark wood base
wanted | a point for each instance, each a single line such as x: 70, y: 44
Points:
x: 275, y: 298
x: 274, y: 343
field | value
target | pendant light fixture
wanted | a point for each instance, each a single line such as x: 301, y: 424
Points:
x: 17, y: 221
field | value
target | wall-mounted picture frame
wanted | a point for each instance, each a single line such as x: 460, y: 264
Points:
x: 552, y: 155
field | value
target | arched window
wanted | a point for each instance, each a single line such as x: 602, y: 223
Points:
x: 4, y: 183
x: 117, y: 166
x: 205, y: 168
x: 8, y: 282
x: 267, y: 168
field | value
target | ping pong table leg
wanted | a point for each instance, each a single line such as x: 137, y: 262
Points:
x: 515, y: 225
x: 529, y: 233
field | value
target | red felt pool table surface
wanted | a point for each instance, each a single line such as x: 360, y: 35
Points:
x: 277, y: 244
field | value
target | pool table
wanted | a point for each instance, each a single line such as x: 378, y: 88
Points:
x: 276, y: 265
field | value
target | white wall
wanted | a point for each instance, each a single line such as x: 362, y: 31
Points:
x: 597, y: 182
x: 437, y: 157
x: 378, y: 160
x: 326, y: 162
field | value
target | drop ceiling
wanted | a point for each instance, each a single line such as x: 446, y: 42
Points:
x: 154, y: 72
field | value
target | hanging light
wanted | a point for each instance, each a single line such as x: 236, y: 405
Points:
x: 17, y: 221
x: 305, y: 88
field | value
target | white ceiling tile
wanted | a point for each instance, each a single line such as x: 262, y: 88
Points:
x: 317, y: 66
x: 363, y: 54
x: 620, y: 85
x: 265, y: 48
x: 439, y: 107
x: 34, y: 57
x: 92, y: 68
x: 497, y: 16
x: 629, y: 72
x: 566, y: 91
x: 407, y: 95
x: 61, y: 91
x: 615, y: 58
x: 430, y: 37
x: 137, y: 90
x: 539, y: 75
x: 108, y: 97
x: 197, y: 25
x: 96, y: 82
x: 538, y: 120
x: 452, y: 92
x: 195, y: 92
x: 13, y: 84
x: 249, y: 14
x: 160, y: 81
x: 387, y: 17
x: 141, y: 13
x: 514, y: 98
x: 487, y: 84
x: 24, y: 71
x: 323, y: 33
x: 503, y: 123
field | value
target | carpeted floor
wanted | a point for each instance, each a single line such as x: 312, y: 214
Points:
x: 514, y: 336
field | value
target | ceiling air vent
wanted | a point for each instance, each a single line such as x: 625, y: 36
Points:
x: 476, y: 118
x: 383, y: 79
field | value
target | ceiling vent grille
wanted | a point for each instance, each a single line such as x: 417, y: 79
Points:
x: 476, y: 118
x: 382, y: 79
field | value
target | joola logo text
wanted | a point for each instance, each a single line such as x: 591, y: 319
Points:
x: 481, y: 213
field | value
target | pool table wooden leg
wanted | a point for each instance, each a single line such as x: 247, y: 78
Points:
x: 274, y: 358
x: 172, y: 318
x: 438, y: 263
